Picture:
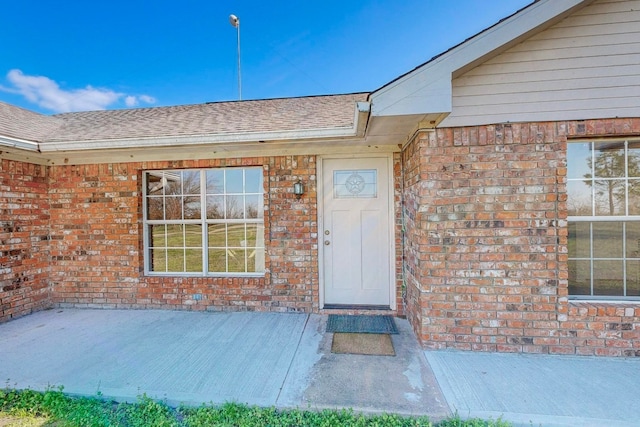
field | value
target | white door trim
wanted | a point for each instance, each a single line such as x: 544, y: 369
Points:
x: 392, y: 219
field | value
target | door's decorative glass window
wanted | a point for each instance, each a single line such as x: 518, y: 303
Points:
x: 204, y: 221
x: 603, y: 186
x: 359, y: 184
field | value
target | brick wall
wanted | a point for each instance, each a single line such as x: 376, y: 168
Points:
x: 600, y: 330
x: 293, y: 235
x: 485, y: 243
x: 401, y: 288
x: 412, y: 234
x: 97, y: 256
x: 92, y: 215
x: 95, y: 228
x: 24, y: 234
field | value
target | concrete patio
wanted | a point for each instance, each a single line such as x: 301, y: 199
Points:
x: 285, y: 360
x: 264, y: 359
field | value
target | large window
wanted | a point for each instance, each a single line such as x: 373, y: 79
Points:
x: 204, y: 222
x: 603, y: 185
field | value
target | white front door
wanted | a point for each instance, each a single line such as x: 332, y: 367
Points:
x: 355, y: 237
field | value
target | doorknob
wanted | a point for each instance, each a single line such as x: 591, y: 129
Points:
x: 327, y: 232
x: 327, y: 243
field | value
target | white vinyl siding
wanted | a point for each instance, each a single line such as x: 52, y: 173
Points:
x: 586, y: 66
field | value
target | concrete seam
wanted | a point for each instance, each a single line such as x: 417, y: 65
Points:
x: 284, y: 380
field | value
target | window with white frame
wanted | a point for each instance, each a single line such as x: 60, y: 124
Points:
x: 603, y: 186
x: 204, y: 222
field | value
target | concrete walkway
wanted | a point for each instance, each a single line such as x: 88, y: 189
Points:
x: 532, y: 390
x: 284, y: 360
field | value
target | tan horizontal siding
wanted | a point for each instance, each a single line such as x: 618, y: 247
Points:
x: 575, y: 93
x: 587, y: 66
x: 558, y: 107
x: 535, y: 45
x: 549, y: 76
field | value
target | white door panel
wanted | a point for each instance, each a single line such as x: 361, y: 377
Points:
x: 355, y: 235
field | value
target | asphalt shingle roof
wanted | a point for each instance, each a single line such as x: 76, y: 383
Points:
x: 16, y: 122
x: 270, y: 115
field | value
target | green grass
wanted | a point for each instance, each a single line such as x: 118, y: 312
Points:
x: 605, y: 240
x: 53, y: 408
x: 178, y: 248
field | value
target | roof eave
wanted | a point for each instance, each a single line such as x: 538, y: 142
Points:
x: 192, y: 140
x: 356, y: 129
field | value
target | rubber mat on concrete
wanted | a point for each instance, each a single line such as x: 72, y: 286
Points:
x: 368, y: 344
x: 361, y: 324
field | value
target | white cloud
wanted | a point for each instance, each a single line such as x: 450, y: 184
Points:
x: 147, y: 99
x: 132, y: 101
x: 46, y: 93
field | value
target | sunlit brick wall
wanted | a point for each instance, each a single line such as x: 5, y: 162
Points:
x: 485, y: 245
x: 96, y: 232
x: 24, y: 234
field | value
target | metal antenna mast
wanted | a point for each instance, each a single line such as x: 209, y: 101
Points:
x: 235, y: 22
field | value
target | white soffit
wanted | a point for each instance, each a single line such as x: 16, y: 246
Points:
x: 427, y: 89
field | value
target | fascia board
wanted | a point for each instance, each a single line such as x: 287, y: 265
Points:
x: 216, y: 139
x: 432, y: 81
x: 422, y: 94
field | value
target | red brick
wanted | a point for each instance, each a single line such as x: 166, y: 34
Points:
x: 24, y: 251
x: 505, y: 254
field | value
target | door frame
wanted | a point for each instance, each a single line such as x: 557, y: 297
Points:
x: 392, y: 220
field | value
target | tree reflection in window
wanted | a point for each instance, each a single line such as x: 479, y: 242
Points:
x: 207, y: 221
x: 612, y: 170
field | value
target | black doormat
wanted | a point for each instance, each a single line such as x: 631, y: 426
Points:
x: 361, y: 324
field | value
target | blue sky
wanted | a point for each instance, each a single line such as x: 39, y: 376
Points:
x: 72, y: 55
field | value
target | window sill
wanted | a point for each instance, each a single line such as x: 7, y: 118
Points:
x: 575, y: 300
x: 208, y: 276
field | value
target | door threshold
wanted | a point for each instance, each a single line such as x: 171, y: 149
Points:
x: 356, y: 307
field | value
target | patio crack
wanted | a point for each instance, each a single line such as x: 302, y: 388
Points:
x: 294, y: 369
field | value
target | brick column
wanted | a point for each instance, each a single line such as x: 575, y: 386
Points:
x: 24, y: 239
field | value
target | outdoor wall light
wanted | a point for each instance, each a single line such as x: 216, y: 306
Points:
x: 298, y: 188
